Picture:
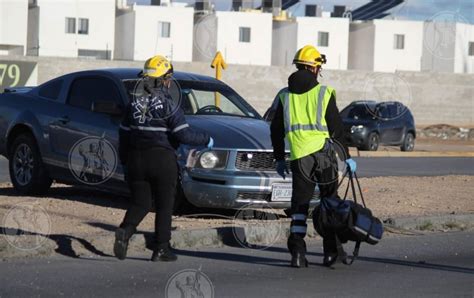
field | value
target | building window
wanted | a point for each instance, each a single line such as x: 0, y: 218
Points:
x: 83, y: 26
x: 164, y: 29
x: 70, y: 25
x: 244, y: 34
x: 323, y: 39
x: 399, y: 42
x: 471, y: 48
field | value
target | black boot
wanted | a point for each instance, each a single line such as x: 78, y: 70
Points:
x: 298, y: 260
x: 329, y: 259
x: 164, y: 254
x: 122, y: 236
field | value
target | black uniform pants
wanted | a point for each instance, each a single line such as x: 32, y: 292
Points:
x: 318, y: 168
x: 152, y: 175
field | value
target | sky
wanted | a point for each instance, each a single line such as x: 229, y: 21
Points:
x: 462, y: 10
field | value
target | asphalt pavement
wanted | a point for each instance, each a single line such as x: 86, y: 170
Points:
x: 379, y: 166
x: 433, y: 265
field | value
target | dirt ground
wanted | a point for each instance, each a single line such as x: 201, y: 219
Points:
x: 78, y: 211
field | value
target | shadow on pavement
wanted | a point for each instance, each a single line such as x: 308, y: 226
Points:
x: 63, y: 242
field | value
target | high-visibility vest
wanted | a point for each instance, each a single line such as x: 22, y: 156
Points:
x: 305, y: 120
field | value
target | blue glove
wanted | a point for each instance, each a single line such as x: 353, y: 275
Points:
x: 351, y: 164
x: 281, y: 168
x: 210, y: 144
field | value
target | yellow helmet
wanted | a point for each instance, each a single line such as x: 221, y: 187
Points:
x: 309, y: 55
x: 157, y: 67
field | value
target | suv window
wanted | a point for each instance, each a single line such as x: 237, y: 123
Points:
x: 85, y: 91
x: 383, y: 111
x: 396, y: 109
x: 51, y: 90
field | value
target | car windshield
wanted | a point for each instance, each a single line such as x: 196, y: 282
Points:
x: 359, y: 111
x: 203, y: 98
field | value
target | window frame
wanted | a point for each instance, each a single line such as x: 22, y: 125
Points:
x: 321, y: 35
x: 161, y: 27
x: 397, y: 45
x: 70, y: 21
x: 79, y: 27
x: 470, y: 49
x: 245, y: 32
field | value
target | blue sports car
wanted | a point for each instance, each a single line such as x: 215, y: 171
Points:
x: 67, y: 130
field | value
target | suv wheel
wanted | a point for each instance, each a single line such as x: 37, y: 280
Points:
x: 27, y: 171
x: 372, y: 143
x: 408, y: 142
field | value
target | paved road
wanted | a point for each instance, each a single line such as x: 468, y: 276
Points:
x: 440, y: 265
x: 380, y: 166
x: 414, y: 166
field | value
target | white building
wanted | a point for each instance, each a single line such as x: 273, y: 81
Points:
x: 146, y: 30
x: 74, y: 28
x: 329, y: 35
x: 13, y: 27
x: 448, y: 47
x: 242, y: 37
x: 386, y: 45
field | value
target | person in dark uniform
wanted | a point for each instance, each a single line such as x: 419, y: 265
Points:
x: 151, y: 131
x: 307, y: 115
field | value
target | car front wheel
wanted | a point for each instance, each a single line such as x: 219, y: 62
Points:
x: 408, y: 142
x: 27, y: 171
x: 372, y: 143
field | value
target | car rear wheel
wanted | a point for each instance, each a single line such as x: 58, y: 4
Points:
x: 408, y: 142
x: 27, y: 171
x: 372, y: 143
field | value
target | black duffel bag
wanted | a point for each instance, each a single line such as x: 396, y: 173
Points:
x: 347, y: 220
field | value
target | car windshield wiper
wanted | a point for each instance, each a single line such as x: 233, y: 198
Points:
x: 226, y: 114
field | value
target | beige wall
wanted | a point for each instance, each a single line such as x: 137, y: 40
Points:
x: 433, y: 97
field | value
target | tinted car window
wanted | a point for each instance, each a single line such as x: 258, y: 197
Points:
x: 85, y: 91
x: 51, y: 90
x: 383, y: 112
x: 396, y: 109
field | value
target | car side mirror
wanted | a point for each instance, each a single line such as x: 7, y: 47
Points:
x: 107, y: 107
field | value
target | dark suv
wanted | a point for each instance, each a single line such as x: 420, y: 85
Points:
x: 368, y: 124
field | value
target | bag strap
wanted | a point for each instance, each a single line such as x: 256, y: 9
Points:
x: 352, y: 177
x: 347, y: 260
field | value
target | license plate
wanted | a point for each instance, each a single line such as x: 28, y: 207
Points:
x: 281, y: 192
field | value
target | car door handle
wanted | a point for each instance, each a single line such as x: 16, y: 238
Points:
x: 64, y: 120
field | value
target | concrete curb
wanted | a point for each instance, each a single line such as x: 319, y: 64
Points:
x: 256, y: 236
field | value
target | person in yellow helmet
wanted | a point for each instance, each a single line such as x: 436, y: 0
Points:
x: 151, y: 130
x: 308, y: 117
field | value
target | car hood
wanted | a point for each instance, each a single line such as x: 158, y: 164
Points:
x: 234, y: 132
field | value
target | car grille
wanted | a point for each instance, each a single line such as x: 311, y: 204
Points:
x: 258, y: 196
x: 257, y: 161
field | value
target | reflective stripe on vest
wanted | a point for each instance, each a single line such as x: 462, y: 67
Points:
x: 306, y: 130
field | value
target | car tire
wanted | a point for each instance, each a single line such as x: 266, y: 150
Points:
x: 372, y: 142
x: 28, y: 173
x: 408, y: 142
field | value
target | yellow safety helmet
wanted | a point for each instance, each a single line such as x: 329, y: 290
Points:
x: 309, y: 55
x: 157, y: 67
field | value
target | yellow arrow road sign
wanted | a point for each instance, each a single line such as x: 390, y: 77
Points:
x: 218, y: 63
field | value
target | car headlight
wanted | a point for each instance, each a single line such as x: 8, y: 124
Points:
x: 357, y: 128
x: 212, y: 160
